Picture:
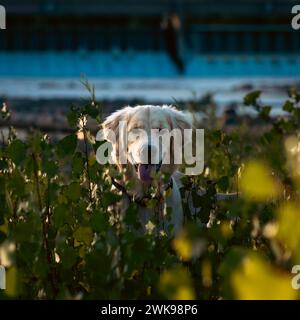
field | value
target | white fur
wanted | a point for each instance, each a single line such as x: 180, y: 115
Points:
x: 149, y: 117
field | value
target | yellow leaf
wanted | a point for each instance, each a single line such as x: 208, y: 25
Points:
x: 206, y: 273
x: 183, y: 246
x: 257, y: 182
x: 289, y: 225
x: 176, y: 284
x: 254, y: 279
x: 12, y: 282
x: 92, y: 159
x: 149, y: 290
x: 188, y: 244
x: 84, y: 234
x: 184, y: 293
x: 226, y: 229
x: 151, y: 203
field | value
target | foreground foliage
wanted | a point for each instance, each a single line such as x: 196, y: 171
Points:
x: 59, y: 240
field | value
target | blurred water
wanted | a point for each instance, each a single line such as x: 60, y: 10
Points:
x: 226, y: 90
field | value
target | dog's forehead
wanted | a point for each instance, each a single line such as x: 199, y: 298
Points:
x: 138, y: 117
x: 148, y: 114
x: 157, y: 114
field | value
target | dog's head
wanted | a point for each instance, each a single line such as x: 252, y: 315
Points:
x: 138, y: 135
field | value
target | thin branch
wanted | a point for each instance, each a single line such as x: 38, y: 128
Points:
x: 45, y: 228
x: 87, y: 163
x: 36, y: 176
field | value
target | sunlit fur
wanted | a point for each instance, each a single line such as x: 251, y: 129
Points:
x: 148, y: 117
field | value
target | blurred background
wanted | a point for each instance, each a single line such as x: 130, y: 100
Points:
x: 141, y: 51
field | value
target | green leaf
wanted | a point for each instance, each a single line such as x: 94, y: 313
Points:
x: 131, y: 216
x: 2, y: 236
x: 223, y: 183
x: 265, y: 111
x: 151, y: 203
x: 91, y: 110
x: 50, y: 167
x: 17, y: 184
x: 23, y: 231
x: 59, y: 215
x: 72, y: 117
x: 109, y: 199
x: 17, y: 151
x: 2, y: 210
x: 67, y: 146
x: 77, y: 164
x: 251, y: 98
x: 73, y: 191
x: 84, y: 234
x: 98, y: 221
x: 185, y: 180
x: 216, y: 136
x: 68, y: 257
x: 3, y: 164
x: 288, y: 106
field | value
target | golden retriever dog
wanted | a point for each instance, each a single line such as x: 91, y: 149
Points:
x: 144, y: 164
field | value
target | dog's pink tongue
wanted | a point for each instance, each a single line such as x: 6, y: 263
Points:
x: 144, y: 172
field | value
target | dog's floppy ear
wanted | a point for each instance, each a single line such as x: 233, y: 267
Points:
x: 112, y: 122
x: 182, y: 121
x: 178, y: 119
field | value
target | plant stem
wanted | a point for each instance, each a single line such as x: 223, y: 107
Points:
x: 87, y: 163
x: 36, y: 176
x: 45, y: 229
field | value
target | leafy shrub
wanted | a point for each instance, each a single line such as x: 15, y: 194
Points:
x: 61, y: 241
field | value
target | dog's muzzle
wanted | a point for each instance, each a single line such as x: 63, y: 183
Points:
x: 144, y: 171
x: 146, y: 168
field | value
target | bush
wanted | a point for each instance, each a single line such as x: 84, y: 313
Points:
x: 61, y: 241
